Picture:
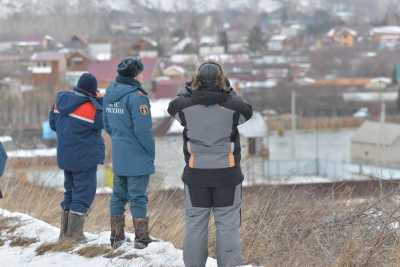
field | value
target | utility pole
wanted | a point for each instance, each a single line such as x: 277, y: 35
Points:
x: 317, y: 147
x: 294, y: 125
x: 382, y: 86
x: 383, y: 109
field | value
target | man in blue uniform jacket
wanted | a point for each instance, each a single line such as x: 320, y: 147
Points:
x: 128, y: 120
x: 3, y: 160
x: 77, y: 117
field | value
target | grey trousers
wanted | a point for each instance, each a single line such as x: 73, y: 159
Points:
x: 227, y: 221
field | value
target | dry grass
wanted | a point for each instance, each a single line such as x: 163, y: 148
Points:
x: 64, y: 246
x: 9, y: 225
x: 347, y: 225
x: 114, y: 254
x: 130, y: 257
x: 22, y: 242
x: 94, y: 251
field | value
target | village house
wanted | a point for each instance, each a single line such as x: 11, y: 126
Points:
x: 106, y: 71
x: 209, y: 46
x: 183, y: 45
x: 76, y: 42
x: 275, y: 66
x: 255, y: 132
x: 151, y: 71
x: 78, y: 60
x: 100, y: 50
x: 144, y: 47
x: 35, y: 42
x: 376, y: 144
x: 48, y: 69
x: 185, y: 59
x: 342, y: 36
x: 381, y: 35
x: 166, y: 88
x: 278, y: 43
x: 175, y: 72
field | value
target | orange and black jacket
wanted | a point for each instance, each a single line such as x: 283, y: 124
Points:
x: 78, y: 122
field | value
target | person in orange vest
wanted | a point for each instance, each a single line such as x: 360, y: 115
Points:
x: 77, y: 118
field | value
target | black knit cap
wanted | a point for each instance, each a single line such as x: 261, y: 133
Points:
x: 130, y: 67
x: 87, y: 84
x: 208, y: 73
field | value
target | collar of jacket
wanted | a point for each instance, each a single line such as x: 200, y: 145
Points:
x: 132, y: 82
x: 81, y: 92
x: 97, y: 102
x: 208, y: 97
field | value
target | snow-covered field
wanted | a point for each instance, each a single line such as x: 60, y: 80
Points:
x: 157, y: 254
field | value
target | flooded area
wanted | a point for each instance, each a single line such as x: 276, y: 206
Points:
x: 332, y: 146
x: 327, y: 145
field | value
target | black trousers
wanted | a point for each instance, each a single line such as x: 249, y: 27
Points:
x: 207, y: 197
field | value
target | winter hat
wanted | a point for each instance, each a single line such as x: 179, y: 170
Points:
x: 130, y: 67
x: 87, y: 84
x: 209, y: 72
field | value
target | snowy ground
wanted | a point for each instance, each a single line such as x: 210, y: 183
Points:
x: 157, y: 254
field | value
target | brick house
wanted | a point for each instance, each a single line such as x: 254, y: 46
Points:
x: 48, y: 69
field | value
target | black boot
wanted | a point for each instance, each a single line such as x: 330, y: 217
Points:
x: 76, y: 223
x: 117, y: 237
x: 63, y: 225
x: 142, y: 237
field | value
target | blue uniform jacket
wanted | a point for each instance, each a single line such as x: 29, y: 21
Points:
x: 3, y: 159
x: 127, y: 119
x: 78, y: 121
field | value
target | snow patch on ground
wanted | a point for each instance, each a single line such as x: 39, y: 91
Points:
x: 32, y: 153
x: 157, y: 254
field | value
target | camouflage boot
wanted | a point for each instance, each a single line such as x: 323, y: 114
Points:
x: 63, y: 225
x: 142, y: 237
x: 117, y: 237
x: 74, y: 232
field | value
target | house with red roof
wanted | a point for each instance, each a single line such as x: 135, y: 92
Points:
x: 106, y: 71
x: 166, y: 88
x: 151, y: 69
x: 34, y: 42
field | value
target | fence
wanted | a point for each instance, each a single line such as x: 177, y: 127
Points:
x: 334, y: 171
x: 24, y: 110
x: 285, y: 123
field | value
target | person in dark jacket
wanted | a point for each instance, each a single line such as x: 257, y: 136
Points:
x: 210, y: 111
x: 3, y: 161
x: 128, y: 120
x: 77, y: 118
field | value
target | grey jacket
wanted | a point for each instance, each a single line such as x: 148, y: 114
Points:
x: 210, y: 117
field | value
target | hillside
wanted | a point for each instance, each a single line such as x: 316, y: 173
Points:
x: 47, y: 7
